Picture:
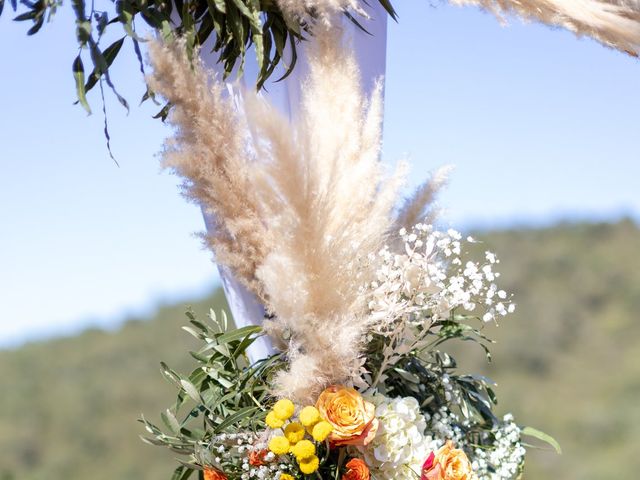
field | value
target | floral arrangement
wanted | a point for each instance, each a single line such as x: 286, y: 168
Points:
x: 362, y: 294
x: 410, y: 415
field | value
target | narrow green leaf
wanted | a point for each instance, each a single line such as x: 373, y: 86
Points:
x: 533, y: 432
x: 181, y: 473
x: 386, y: 4
x: 169, y: 374
x: 37, y: 25
x: 192, y: 332
x: 163, y: 113
x: 126, y: 18
x: 190, y: 390
x: 78, y: 75
x: 170, y: 421
x: 30, y: 15
x: 105, y: 60
x: 236, y: 417
x: 220, y: 5
x: 83, y: 32
x: 238, y: 334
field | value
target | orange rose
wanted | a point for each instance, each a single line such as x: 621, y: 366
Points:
x: 448, y: 463
x: 351, y: 417
x: 356, y: 470
x: 213, y: 474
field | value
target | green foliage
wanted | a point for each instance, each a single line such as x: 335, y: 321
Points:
x: 224, y: 393
x: 566, y: 361
x: 234, y: 25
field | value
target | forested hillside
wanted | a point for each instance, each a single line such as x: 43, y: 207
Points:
x: 567, y: 362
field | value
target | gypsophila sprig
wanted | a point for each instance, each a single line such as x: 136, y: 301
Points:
x: 430, y: 278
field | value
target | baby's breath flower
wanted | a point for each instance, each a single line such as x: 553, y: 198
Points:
x: 430, y: 278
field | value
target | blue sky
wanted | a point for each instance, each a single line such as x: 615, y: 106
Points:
x: 540, y: 125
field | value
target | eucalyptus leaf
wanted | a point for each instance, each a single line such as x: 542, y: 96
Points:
x: 78, y: 75
x: 170, y: 421
x: 236, y: 418
x: 190, y: 390
x: 238, y: 334
x: 535, y: 433
x: 104, y: 61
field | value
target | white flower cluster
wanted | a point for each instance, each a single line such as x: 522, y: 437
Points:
x: 430, y: 278
x: 406, y: 437
x: 443, y: 426
x: 400, y: 446
x: 503, y: 460
x: 241, y: 445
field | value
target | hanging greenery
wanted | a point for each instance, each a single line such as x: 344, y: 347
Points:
x: 232, y: 25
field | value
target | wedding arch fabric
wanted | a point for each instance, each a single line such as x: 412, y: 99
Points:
x: 370, y: 49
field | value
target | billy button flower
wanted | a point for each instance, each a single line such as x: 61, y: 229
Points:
x: 303, y: 449
x: 309, y: 465
x: 321, y: 431
x: 279, y: 445
x: 294, y: 432
x: 273, y: 421
x: 305, y: 453
x: 283, y: 409
x: 309, y: 416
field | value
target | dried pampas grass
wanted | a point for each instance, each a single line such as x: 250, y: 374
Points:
x: 301, y: 206
x: 208, y: 152
x: 330, y: 205
x: 615, y: 23
x: 420, y: 206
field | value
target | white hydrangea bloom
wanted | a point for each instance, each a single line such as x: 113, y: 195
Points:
x: 400, y: 446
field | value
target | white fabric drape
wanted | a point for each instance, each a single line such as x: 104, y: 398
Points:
x: 370, y: 51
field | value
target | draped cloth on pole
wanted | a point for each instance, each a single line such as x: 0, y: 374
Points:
x: 370, y: 52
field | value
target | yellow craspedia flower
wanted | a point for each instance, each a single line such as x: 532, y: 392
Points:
x: 286, y: 476
x: 321, y: 431
x: 309, y: 416
x: 284, y: 409
x: 273, y: 421
x: 309, y: 465
x: 303, y: 449
x: 294, y: 432
x: 279, y: 445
